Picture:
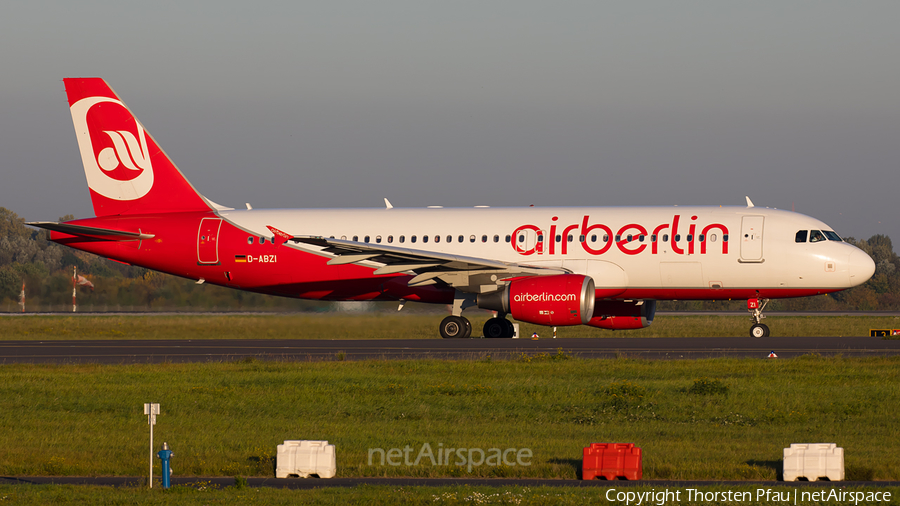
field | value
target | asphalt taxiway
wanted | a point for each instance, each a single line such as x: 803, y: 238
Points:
x: 224, y: 350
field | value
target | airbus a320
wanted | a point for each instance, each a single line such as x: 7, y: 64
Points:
x: 556, y: 266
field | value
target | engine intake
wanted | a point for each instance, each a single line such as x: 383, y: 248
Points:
x: 564, y: 299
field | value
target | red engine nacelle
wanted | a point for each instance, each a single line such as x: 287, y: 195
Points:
x: 564, y: 299
x: 621, y: 315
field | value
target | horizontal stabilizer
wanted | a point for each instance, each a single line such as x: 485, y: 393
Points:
x: 92, y: 232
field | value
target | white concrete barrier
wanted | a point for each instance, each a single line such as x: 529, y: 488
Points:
x: 813, y: 461
x: 305, y: 458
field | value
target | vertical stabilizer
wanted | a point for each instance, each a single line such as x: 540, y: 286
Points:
x: 126, y: 170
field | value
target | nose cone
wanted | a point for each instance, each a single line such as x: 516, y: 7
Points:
x: 861, y: 267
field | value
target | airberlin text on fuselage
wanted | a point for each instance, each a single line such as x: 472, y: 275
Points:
x: 641, y: 237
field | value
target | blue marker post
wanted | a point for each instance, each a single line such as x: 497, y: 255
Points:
x: 164, y: 455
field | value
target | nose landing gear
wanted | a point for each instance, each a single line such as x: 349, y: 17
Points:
x: 756, y: 309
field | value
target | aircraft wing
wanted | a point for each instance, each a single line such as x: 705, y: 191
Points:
x: 469, y: 274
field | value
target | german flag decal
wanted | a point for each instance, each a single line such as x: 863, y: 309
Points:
x: 240, y: 259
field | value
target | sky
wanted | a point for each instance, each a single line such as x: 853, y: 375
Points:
x: 504, y: 103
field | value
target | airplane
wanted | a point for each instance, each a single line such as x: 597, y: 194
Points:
x: 555, y: 266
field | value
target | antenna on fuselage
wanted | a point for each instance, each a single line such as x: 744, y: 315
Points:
x: 749, y: 202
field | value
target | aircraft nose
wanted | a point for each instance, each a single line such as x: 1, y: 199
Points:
x: 862, y: 267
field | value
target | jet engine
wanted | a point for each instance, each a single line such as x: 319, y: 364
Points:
x: 560, y: 300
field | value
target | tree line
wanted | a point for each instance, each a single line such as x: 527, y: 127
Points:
x: 27, y: 256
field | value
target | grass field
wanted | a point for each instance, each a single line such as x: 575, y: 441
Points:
x: 704, y: 419
x: 398, y: 326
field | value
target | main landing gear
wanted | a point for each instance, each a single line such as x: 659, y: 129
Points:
x: 756, y: 306
x: 498, y: 328
x: 457, y: 326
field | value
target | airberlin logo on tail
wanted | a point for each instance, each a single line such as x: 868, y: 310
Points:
x: 631, y: 239
x: 113, y: 148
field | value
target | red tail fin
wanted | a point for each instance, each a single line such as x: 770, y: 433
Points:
x: 126, y: 170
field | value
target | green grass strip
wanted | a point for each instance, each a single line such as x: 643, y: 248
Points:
x: 713, y: 419
x: 400, y: 326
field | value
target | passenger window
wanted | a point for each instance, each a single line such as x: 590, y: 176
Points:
x: 496, y: 238
x: 412, y: 239
x: 250, y: 240
x: 378, y: 239
x: 460, y: 239
x: 424, y: 238
x: 390, y: 239
x: 569, y: 238
x: 521, y: 238
x: 484, y: 238
x: 665, y: 238
x: 471, y: 238
x: 712, y: 237
x: 367, y: 239
x: 652, y: 237
x: 594, y: 238
x: 618, y: 237
x: 344, y: 238
x: 437, y: 238
x: 509, y: 238
x: 677, y: 237
x: 629, y: 237
x: 558, y: 238
x: 402, y: 239
x: 262, y: 240
x: 816, y: 236
x: 690, y: 237
x: 700, y: 237
x: 801, y: 236
x: 449, y: 239
x: 580, y: 238
x: 641, y: 238
x: 540, y: 238
x: 725, y: 237
x: 355, y: 238
x: 605, y: 238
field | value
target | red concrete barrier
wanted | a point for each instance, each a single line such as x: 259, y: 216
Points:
x: 612, y: 461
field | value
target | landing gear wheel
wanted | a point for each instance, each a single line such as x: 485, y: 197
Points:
x: 468, y: 331
x: 495, y: 328
x: 510, y: 329
x: 759, y: 330
x: 455, y: 327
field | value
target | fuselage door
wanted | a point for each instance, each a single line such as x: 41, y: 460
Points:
x: 752, y: 238
x: 208, y: 241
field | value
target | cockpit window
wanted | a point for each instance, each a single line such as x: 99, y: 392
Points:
x: 832, y: 236
x: 816, y: 236
x: 801, y: 236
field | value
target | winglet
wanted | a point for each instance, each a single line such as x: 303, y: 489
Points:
x: 749, y: 202
x: 387, y: 204
x: 280, y: 237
